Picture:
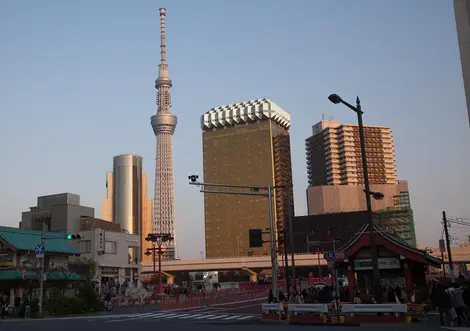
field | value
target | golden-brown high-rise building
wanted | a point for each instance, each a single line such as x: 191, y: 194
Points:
x: 127, y: 201
x: 248, y: 144
x: 462, y: 20
x: 334, y: 155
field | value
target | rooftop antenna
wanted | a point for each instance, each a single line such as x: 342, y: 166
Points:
x: 322, y: 116
x: 330, y: 118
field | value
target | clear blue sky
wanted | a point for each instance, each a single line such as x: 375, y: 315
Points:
x: 77, y: 88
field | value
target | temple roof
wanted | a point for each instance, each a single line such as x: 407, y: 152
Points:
x: 394, y: 240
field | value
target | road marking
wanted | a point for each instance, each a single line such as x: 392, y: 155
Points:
x: 174, y: 316
x: 190, y: 315
x: 157, y: 315
x: 240, y: 307
x: 220, y: 304
x: 168, y: 315
x: 204, y: 317
x: 244, y: 318
x: 136, y: 317
x: 217, y: 317
x: 231, y: 317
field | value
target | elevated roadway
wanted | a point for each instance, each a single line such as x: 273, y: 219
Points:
x: 234, y: 263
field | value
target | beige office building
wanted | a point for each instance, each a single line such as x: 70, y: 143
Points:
x: 393, y: 213
x: 127, y: 201
x: 462, y: 20
x: 350, y: 198
x: 334, y: 155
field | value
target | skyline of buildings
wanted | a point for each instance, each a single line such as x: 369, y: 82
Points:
x: 248, y: 143
x: 245, y: 143
x: 164, y: 124
x: 462, y: 21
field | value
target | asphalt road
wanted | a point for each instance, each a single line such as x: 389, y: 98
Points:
x: 232, y: 316
x: 177, y: 325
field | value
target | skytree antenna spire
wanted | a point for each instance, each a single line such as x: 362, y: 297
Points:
x: 164, y: 124
x: 162, y: 35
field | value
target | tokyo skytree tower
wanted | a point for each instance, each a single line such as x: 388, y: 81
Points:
x: 164, y: 124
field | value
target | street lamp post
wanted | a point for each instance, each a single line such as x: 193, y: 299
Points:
x: 334, y: 98
x: 264, y: 191
x: 148, y: 253
x: 158, y: 239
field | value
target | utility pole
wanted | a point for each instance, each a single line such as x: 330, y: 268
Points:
x: 291, y: 243
x: 272, y: 233
x: 449, y: 253
x: 286, y: 258
x: 41, y: 279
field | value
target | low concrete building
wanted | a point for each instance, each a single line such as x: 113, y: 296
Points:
x: 59, y: 212
x: 116, y: 253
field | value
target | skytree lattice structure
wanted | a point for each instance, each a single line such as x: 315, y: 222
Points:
x: 164, y: 124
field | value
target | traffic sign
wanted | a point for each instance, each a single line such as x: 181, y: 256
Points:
x: 341, y: 255
x: 39, y: 251
x: 329, y: 256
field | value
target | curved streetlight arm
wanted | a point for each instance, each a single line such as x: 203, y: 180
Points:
x: 357, y: 109
x: 335, y: 98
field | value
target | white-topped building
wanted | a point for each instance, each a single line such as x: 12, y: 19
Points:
x: 245, y: 143
x: 245, y: 112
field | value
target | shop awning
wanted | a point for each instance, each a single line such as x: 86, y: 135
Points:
x: 63, y: 275
x: 17, y: 274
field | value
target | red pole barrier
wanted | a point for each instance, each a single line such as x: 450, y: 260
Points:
x: 160, y: 284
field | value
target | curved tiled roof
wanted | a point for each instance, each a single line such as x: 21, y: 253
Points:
x: 394, y: 239
x: 244, y: 112
x: 27, y: 240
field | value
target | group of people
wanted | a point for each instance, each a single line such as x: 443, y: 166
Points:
x: 309, y: 295
x: 21, y: 306
x: 452, y: 301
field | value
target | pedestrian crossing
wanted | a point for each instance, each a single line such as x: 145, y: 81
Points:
x: 182, y: 316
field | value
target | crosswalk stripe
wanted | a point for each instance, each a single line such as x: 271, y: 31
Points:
x: 136, y: 317
x: 244, y: 318
x: 216, y: 317
x: 204, y: 317
x: 176, y: 316
x: 231, y: 317
x: 168, y: 316
x: 190, y: 316
x: 157, y: 315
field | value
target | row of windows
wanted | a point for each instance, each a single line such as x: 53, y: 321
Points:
x: 110, y: 247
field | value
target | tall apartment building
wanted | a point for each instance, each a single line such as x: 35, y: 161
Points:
x: 245, y: 143
x: 127, y: 202
x: 334, y: 155
x: 336, y: 180
x: 462, y: 20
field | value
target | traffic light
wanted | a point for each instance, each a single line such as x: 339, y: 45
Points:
x: 73, y: 236
x: 255, y: 237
